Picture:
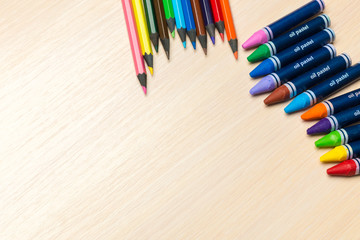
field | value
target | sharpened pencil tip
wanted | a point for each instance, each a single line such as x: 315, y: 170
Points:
x: 168, y: 54
x: 236, y: 55
x: 173, y: 34
x: 151, y: 70
x: 222, y: 37
x: 205, y: 51
x: 144, y: 89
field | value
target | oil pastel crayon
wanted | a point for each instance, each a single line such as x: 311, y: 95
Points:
x: 289, y: 72
x: 332, y: 106
x: 339, y: 137
x: 347, y: 168
x: 342, y: 153
x: 169, y: 16
x: 134, y: 43
x: 180, y: 21
x: 229, y: 27
x: 151, y: 23
x: 336, y: 121
x: 293, y: 53
x: 161, y: 23
x: 289, y: 38
x: 199, y: 23
x: 189, y: 21
x: 208, y: 19
x: 324, y: 89
x: 218, y: 17
x: 284, y: 24
x: 309, y: 79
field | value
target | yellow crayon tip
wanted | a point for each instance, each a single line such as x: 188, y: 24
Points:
x: 337, y: 154
x: 151, y: 70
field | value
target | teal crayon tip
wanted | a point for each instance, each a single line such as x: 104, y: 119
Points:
x: 194, y: 45
x: 299, y: 103
x: 184, y: 44
x: 156, y: 48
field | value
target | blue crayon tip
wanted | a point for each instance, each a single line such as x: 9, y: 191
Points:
x: 184, y: 44
x: 213, y: 40
x: 267, y: 84
x: 194, y: 45
x: 299, y: 103
x: 264, y: 68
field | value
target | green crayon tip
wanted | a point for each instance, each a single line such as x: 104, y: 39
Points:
x: 333, y: 139
x: 173, y: 34
x: 261, y: 53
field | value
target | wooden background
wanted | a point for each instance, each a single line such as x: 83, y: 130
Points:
x: 84, y: 155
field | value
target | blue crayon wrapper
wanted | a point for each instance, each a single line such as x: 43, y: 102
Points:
x: 298, y: 34
x: 344, y: 118
x: 302, y: 48
x: 304, y: 64
x: 318, y: 74
x: 333, y: 84
x: 293, y: 19
x: 353, y: 149
x: 350, y: 134
x: 343, y: 102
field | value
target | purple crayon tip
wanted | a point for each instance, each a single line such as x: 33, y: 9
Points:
x: 323, y: 126
x: 266, y: 84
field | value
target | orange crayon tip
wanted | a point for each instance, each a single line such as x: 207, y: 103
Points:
x: 317, y: 112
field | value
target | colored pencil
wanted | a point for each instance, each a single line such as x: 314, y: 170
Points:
x: 162, y: 27
x: 143, y: 33
x: 169, y: 16
x: 218, y: 17
x: 199, y: 23
x: 151, y: 23
x: 189, y: 21
x: 208, y: 18
x: 229, y: 27
x: 180, y: 20
x: 134, y: 43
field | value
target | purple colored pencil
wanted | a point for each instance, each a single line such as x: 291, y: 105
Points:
x: 208, y: 18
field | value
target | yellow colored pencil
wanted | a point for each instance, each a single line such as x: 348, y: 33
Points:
x: 143, y: 33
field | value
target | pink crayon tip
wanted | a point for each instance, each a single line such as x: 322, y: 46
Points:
x: 144, y: 89
x: 256, y: 39
x: 222, y: 36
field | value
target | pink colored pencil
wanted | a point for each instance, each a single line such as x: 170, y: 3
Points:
x: 134, y: 43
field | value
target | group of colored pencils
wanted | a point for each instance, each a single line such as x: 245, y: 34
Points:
x: 300, y: 63
x: 148, y: 21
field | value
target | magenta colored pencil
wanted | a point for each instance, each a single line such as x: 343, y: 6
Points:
x: 134, y: 43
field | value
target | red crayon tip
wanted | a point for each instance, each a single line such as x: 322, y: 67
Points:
x: 222, y: 36
x: 317, y: 112
x: 346, y: 168
x: 279, y: 95
x: 236, y: 55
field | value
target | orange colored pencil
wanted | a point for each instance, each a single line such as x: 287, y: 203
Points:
x: 229, y: 26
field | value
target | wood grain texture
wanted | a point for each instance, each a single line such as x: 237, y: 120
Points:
x: 84, y: 155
